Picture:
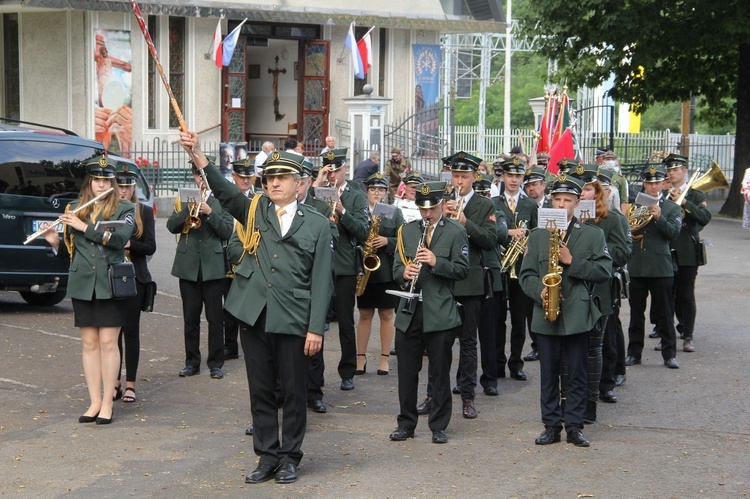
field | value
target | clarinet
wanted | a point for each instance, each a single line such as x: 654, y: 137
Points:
x: 411, y: 301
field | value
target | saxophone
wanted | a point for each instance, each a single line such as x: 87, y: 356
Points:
x: 553, y: 278
x: 371, y: 261
x: 515, y: 249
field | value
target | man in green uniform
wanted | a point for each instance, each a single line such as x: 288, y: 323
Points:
x: 431, y: 254
x: 651, y: 271
x: 687, y: 246
x: 583, y: 260
x: 199, y: 265
x: 280, y: 294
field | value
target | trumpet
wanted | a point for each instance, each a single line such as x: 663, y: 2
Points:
x: 193, y: 220
x: 56, y: 222
x: 459, y: 207
x: 332, y: 203
x: 515, y: 249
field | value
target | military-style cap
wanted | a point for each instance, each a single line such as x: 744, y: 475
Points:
x: 482, y: 183
x: 542, y: 159
x: 568, y: 184
x: 282, y: 163
x: 675, y: 161
x: 566, y: 164
x: 605, y: 176
x: 534, y: 174
x: 446, y: 161
x: 514, y: 165
x: 413, y: 178
x: 396, y: 150
x: 376, y: 180
x: 336, y: 158
x: 307, y: 169
x: 586, y: 173
x: 194, y: 169
x: 429, y: 194
x: 655, y: 172
x: 600, y: 151
x: 127, y: 173
x: 100, y: 167
x: 244, y: 167
x: 516, y: 150
x: 464, y: 162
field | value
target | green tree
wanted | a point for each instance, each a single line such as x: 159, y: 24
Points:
x: 658, y: 51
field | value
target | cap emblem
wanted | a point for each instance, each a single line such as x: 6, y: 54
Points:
x: 247, y: 162
x: 275, y: 156
x: 125, y: 168
x: 478, y: 177
x: 461, y: 155
x: 652, y: 170
x: 528, y: 171
x: 103, y: 162
x: 378, y: 176
x: 331, y: 156
x: 562, y: 177
x: 424, y: 190
x: 516, y: 161
x: 580, y: 169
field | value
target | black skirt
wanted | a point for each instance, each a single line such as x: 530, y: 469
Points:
x: 99, y: 313
x: 376, y: 297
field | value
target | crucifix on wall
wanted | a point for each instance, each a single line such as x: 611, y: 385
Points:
x: 275, y: 72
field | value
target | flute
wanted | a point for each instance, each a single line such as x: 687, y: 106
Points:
x: 54, y: 224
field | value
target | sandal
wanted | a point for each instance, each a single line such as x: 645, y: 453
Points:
x: 118, y: 393
x: 362, y: 371
x: 129, y: 399
x: 381, y: 371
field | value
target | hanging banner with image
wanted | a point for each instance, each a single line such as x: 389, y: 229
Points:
x: 426, y: 101
x: 113, y: 113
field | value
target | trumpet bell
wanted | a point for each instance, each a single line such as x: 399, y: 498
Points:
x: 713, y: 179
x: 193, y: 222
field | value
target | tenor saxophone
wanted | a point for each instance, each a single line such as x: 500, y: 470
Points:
x: 553, y: 278
x: 371, y: 261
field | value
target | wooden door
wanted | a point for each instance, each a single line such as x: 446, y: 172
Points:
x: 233, y: 95
x: 312, y: 122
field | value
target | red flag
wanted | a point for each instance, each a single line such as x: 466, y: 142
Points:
x: 562, y: 149
x: 563, y: 121
x: 364, y: 46
x: 543, y: 145
x: 217, y: 49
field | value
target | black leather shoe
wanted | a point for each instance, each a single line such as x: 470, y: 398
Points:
x: 631, y: 361
x: 672, y: 363
x: 287, y: 473
x: 519, y: 375
x: 317, y: 406
x: 654, y: 334
x: 249, y: 430
x: 400, y: 434
x: 439, y: 437
x: 424, y: 407
x: 608, y: 397
x: 456, y: 390
x: 549, y: 436
x: 393, y: 351
x: 469, y: 412
x: 101, y: 420
x: 189, y: 371
x: 491, y: 391
x: 88, y: 419
x: 576, y: 438
x: 262, y: 473
x: 532, y: 356
x: 216, y: 373
x: 347, y: 384
x: 620, y: 379
x: 229, y: 355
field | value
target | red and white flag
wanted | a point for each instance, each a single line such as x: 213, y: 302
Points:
x: 364, y: 45
x: 216, y: 51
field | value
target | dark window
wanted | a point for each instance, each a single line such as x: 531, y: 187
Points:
x: 152, y: 83
x: 299, y: 32
x: 11, y: 83
x: 381, y: 61
x: 359, y: 32
x: 177, y: 65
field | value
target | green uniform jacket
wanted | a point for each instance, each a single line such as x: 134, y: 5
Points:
x: 491, y: 258
x: 591, y: 263
x: 201, y: 249
x: 388, y: 229
x: 353, y: 227
x: 617, y: 234
x: 451, y: 249
x: 290, y: 276
x: 88, y: 276
x: 325, y: 210
x: 527, y: 209
x: 651, y: 253
x: 481, y: 231
x: 696, y: 216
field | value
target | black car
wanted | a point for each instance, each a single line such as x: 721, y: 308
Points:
x: 40, y: 173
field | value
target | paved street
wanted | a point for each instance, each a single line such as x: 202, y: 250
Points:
x: 674, y: 433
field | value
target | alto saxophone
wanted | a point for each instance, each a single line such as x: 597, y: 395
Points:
x: 515, y: 249
x: 371, y: 261
x: 553, y: 278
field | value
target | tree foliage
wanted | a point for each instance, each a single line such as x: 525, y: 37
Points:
x: 658, y: 51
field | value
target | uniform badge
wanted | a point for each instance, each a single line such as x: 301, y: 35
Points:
x: 103, y: 161
x: 125, y: 168
x: 465, y: 250
x: 562, y: 177
x: 331, y: 156
x: 564, y: 162
x: 580, y: 169
x: 606, y: 250
x: 516, y: 161
x: 332, y: 248
x: 461, y: 155
x: 679, y: 219
x: 275, y: 156
x: 528, y: 172
x: 652, y: 170
x: 478, y: 177
x: 129, y: 219
x: 378, y: 176
x: 424, y: 190
x: 247, y: 162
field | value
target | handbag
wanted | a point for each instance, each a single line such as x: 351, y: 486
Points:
x: 148, y: 297
x: 702, y: 255
x: 121, y: 278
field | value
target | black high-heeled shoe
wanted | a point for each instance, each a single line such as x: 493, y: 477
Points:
x: 118, y: 393
x: 88, y: 419
x: 106, y: 420
x: 380, y: 371
x: 360, y: 372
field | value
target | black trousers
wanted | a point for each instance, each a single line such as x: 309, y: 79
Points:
x: 316, y: 367
x: 619, y: 339
x: 609, y: 355
x: 231, y: 324
x: 574, y: 348
x: 466, y: 375
x: 346, y: 287
x: 270, y: 358
x: 684, y: 300
x: 660, y: 289
x: 131, y: 333
x: 487, y: 340
x: 196, y: 294
x: 410, y: 347
x: 517, y: 304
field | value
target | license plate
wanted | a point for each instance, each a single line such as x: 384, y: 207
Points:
x: 38, y: 224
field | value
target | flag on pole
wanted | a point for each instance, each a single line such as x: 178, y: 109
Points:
x: 543, y: 142
x: 351, y: 43
x: 216, y: 50
x: 563, y: 148
x: 563, y: 121
x: 364, y: 46
x: 230, y: 42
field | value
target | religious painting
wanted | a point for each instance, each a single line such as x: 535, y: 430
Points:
x: 113, y: 115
